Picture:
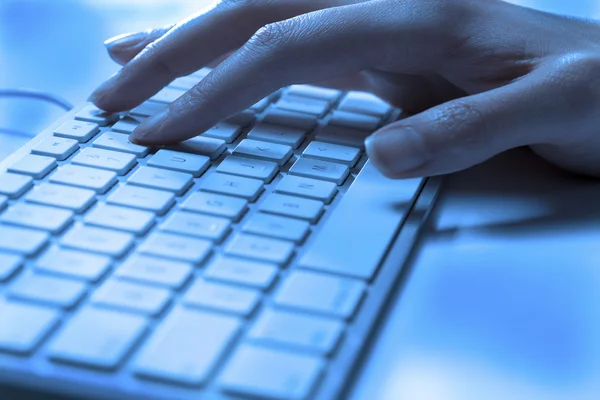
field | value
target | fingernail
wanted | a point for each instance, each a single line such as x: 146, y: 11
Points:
x: 396, y: 150
x: 125, y: 40
x: 150, y: 129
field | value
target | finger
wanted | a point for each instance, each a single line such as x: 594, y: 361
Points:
x: 125, y: 47
x: 192, y: 44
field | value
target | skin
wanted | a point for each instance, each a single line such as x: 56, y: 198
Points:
x: 478, y: 76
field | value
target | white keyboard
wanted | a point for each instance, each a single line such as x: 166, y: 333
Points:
x: 249, y: 261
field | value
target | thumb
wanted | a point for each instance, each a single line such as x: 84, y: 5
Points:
x: 123, y: 48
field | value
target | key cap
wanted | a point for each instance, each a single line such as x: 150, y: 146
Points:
x: 147, y: 109
x: 24, y: 326
x: 105, y: 159
x: 38, y: 217
x: 306, y: 187
x: 364, y: 103
x: 216, y: 204
x: 129, y: 296
x: 277, y: 227
x: 97, y: 338
x: 224, y: 131
x: 84, y: 177
x: 157, y: 201
x: 187, y: 346
x: 176, y: 247
x: 349, y: 253
x: 206, y: 146
x: 243, y: 119
x: 35, y: 166
x: 250, y: 273
x: 249, y: 167
x: 23, y: 241
x: 303, y: 104
x: 126, y: 125
x: 343, y: 136
x: 56, y: 147
x: 47, y: 289
x: 267, y: 373
x: 314, y: 92
x: 277, y: 153
x: 332, y: 152
x: 167, y: 95
x: 125, y: 219
x: 10, y: 265
x: 318, y: 169
x: 3, y: 201
x: 212, y: 295
x: 278, y: 134
x: 260, y: 105
x: 77, y: 130
x: 184, y: 83
x: 73, y: 263
x: 156, y: 271
x: 293, y: 119
x: 315, y: 292
x: 182, y: 162
x: 14, y: 185
x: 261, y: 249
x: 353, y: 120
x: 97, y: 240
x: 157, y: 178
x: 92, y: 114
x: 290, y: 206
x: 119, y: 142
x: 301, y: 331
x: 197, y: 225
x: 238, y: 186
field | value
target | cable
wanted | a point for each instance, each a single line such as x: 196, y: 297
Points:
x: 38, y: 95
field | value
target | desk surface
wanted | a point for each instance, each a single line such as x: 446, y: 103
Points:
x: 503, y: 298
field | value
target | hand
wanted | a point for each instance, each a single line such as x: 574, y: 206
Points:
x: 480, y: 76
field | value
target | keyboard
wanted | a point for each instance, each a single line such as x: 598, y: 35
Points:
x: 252, y: 261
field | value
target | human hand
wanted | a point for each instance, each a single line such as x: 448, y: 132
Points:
x: 480, y: 76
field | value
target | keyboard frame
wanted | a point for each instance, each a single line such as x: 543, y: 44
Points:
x: 21, y: 382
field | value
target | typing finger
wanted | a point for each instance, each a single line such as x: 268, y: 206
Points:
x: 124, y: 47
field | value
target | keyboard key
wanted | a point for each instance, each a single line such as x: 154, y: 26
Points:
x: 216, y: 204
x: 77, y: 130
x: 221, y: 297
x: 250, y: 273
x: 39, y: 217
x: 291, y: 206
x: 3, y: 201
x: 84, y: 177
x: 157, y: 178
x: 318, y: 169
x: 97, y: 240
x: 278, y: 134
x: 92, y: 114
x: 277, y: 153
x: 258, y: 248
x: 176, y: 247
x: 187, y: 346
x: 119, y: 142
x: 97, y: 338
x: 105, y: 159
x: 268, y: 373
x: 158, y: 201
x: 244, y: 118
x: 126, y: 125
x: 302, y: 331
x: 343, y: 136
x: 364, y: 103
x: 277, y: 227
x: 10, y: 264
x: 24, y: 326
x: 128, y: 296
x: 249, y: 167
x: 260, y: 105
x: 224, y: 131
x: 125, y: 219
x: 184, y: 83
x: 306, y: 187
x: 303, y: 104
x: 35, y: 166
x: 147, y: 109
x: 73, y: 263
x: 156, y: 271
x: 315, y: 292
x: 14, y: 185
x: 167, y: 95
x: 48, y: 289
x: 293, y: 119
x: 202, y: 145
x: 56, y: 147
x: 332, y: 152
x: 202, y: 226
x: 314, y: 92
x: 353, y: 120
x: 238, y: 186
x: 23, y: 241
x: 183, y: 162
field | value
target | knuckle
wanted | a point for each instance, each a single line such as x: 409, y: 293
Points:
x: 581, y: 71
x: 270, y: 37
x: 463, y: 121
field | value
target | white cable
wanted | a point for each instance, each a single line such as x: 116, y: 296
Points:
x: 38, y: 95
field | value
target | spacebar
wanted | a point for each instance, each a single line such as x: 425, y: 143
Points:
x: 361, y: 228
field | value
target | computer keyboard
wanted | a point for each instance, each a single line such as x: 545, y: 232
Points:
x: 251, y: 261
